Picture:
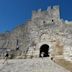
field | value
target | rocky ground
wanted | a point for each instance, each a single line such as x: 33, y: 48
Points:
x: 30, y: 65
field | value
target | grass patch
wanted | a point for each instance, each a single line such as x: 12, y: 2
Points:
x: 65, y: 64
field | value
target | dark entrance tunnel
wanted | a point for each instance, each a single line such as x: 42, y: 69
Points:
x: 44, y: 51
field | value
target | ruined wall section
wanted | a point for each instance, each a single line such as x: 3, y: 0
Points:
x: 4, y: 39
x: 21, y: 34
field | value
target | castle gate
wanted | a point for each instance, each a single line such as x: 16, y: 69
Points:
x: 44, y: 50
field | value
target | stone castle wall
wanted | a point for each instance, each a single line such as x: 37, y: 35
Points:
x: 45, y: 27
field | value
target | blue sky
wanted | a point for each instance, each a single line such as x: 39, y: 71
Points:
x: 15, y: 12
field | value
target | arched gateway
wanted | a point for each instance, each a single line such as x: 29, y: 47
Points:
x: 44, y: 50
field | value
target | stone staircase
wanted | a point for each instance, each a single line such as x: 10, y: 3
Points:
x: 31, y: 65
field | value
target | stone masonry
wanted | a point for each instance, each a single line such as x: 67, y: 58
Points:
x: 45, y: 27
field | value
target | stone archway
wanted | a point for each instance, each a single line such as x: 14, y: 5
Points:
x: 44, y: 50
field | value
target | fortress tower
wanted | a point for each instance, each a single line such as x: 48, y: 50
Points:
x: 44, y: 34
